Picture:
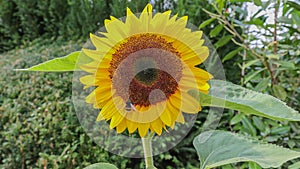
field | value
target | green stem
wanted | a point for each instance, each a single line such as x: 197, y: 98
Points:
x: 148, y: 151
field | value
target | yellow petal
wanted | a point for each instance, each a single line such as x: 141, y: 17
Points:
x: 102, y: 73
x: 172, y: 125
x: 204, y: 91
x: 180, y: 118
x: 91, y: 98
x: 132, y: 21
x: 100, y: 117
x: 103, y: 92
x: 197, y: 73
x: 122, y: 126
x: 99, y: 96
x: 99, y: 105
x: 116, y: 118
x: 147, y: 9
x: 94, y: 54
x: 201, y: 55
x: 187, y: 84
x: 166, y: 117
x: 101, y: 43
x: 174, y: 113
x: 90, y: 67
x: 177, y: 29
x: 157, y: 126
x: 143, y: 129
x: 174, y: 110
x: 203, y: 87
x: 189, y: 104
x: 193, y: 39
x: 194, y: 78
x: 117, y: 31
x: 182, y: 21
x: 109, y: 110
x: 159, y: 22
x: 146, y: 17
x: 132, y: 126
x: 89, y: 81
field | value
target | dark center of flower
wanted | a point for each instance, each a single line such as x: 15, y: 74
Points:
x: 147, y: 76
x: 144, y: 63
x: 146, y: 70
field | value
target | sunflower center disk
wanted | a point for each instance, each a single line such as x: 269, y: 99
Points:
x: 146, y: 70
x: 147, y: 76
x: 143, y: 64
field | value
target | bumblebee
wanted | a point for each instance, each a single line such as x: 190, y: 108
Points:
x: 129, y: 107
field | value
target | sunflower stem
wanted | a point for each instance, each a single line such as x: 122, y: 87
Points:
x: 148, y: 151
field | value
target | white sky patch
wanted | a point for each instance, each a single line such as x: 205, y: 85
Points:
x: 257, y: 31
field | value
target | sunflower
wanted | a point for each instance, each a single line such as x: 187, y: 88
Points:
x: 142, y: 70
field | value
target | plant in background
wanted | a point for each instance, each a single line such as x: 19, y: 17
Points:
x: 145, y: 77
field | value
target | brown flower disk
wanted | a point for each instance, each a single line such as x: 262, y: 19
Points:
x: 143, y: 63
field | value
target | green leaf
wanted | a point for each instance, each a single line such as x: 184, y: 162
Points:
x: 216, y: 31
x: 248, y: 126
x: 231, y: 54
x: 262, y: 85
x: 207, y: 22
x: 279, y: 92
x: 257, y: 2
x: 272, y: 138
x: 266, y: 4
x: 296, y: 18
x: 223, y: 41
x: 253, y: 165
x: 294, y: 5
x: 259, y: 123
x: 231, y: 96
x: 291, y: 143
x: 273, y: 56
x: 70, y: 62
x: 256, y: 21
x: 217, y: 148
x: 287, y: 65
x: 295, y: 165
x: 101, y: 166
x: 251, y: 63
x: 221, y: 4
x: 236, y: 119
x: 251, y: 75
x: 280, y: 130
x: 285, y: 19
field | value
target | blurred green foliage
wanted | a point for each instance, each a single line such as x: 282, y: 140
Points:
x: 38, y: 125
x: 270, y: 62
x: 24, y: 20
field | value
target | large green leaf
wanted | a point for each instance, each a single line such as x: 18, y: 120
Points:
x: 216, y: 148
x: 70, y: 62
x: 101, y: 166
x: 231, y: 96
